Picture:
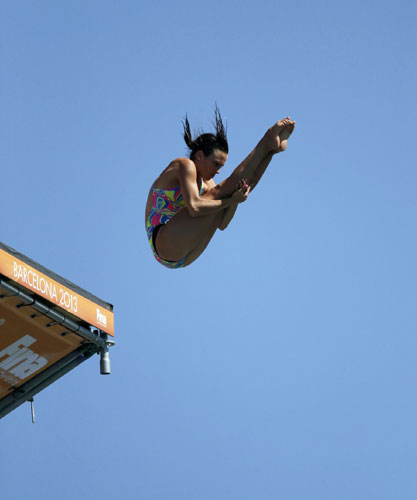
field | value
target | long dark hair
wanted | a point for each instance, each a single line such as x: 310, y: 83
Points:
x: 207, y: 143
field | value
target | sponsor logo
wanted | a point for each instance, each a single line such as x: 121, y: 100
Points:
x: 101, y: 318
x: 18, y: 361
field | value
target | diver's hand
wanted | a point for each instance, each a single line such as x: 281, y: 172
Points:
x: 242, y: 191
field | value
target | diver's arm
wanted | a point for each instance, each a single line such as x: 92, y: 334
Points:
x: 196, y: 205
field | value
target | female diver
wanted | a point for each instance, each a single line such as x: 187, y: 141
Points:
x: 185, y: 207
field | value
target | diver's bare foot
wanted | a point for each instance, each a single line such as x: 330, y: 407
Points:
x: 285, y: 134
x: 273, y: 135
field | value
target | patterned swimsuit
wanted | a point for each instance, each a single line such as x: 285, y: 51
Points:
x: 165, y: 204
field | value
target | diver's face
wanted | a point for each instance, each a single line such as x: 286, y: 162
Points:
x: 210, y: 165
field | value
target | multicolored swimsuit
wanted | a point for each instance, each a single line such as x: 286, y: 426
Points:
x: 165, y: 204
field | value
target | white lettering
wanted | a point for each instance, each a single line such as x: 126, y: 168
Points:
x: 19, y: 360
x: 29, y: 365
x: 14, y: 359
x: 101, y: 318
x: 14, y: 348
x: 10, y: 379
x: 48, y: 288
x: 34, y: 280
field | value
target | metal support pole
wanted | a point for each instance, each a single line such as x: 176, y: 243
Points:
x: 32, y: 409
x: 105, y: 360
x: 104, y: 350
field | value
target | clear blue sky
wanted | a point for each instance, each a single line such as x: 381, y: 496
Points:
x: 282, y: 363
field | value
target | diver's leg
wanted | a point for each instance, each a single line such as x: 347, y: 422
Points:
x: 259, y: 172
x: 199, y: 249
x: 183, y: 234
x: 229, y: 212
x: 254, y: 165
x: 283, y: 136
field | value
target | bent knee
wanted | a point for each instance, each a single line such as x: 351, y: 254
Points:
x: 213, y: 193
x: 218, y: 192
